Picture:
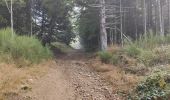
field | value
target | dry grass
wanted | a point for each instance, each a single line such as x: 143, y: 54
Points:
x: 114, y: 48
x: 117, y: 76
x: 13, y: 78
x: 128, y: 72
x: 121, y: 81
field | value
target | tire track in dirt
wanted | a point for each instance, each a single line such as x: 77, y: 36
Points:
x: 72, y: 79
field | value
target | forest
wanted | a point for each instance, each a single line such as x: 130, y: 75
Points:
x: 84, y: 49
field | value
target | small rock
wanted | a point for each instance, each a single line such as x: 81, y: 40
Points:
x: 30, y: 81
x: 25, y: 87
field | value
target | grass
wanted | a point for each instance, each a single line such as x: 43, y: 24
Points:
x: 121, y: 81
x: 13, y: 78
x: 16, y: 53
x: 153, y: 88
x: 151, y: 41
x: 105, y: 57
x: 21, y: 48
x: 132, y: 50
x: 61, y: 47
x: 136, y: 61
x: 150, y: 50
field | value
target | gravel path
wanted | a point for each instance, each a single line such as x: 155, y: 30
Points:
x: 72, y: 79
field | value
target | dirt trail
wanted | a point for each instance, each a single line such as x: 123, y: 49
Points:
x: 72, y: 79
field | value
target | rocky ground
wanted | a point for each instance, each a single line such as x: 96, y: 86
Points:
x: 72, y: 79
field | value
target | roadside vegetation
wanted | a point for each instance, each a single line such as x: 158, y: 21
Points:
x: 21, y: 48
x: 60, y: 48
x: 146, y: 59
x: 22, y: 58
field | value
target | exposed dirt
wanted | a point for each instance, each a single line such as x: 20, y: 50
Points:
x: 72, y: 79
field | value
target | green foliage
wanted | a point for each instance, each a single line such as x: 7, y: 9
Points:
x: 89, y: 28
x: 115, y: 59
x: 105, y: 57
x: 132, y: 50
x: 58, y: 26
x: 153, y: 88
x: 147, y: 57
x: 53, y: 18
x: 62, y: 48
x: 150, y: 50
x: 22, y: 47
x: 152, y: 41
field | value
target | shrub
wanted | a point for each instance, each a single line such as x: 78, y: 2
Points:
x: 153, y: 88
x: 105, y: 57
x: 22, y: 47
x: 132, y: 50
x: 150, y: 41
x: 115, y: 59
x: 147, y: 57
x: 61, y: 47
x: 155, y: 56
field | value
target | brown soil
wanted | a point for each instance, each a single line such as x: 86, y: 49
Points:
x: 72, y: 79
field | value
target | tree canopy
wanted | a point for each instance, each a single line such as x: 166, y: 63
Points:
x: 99, y: 22
x: 47, y: 19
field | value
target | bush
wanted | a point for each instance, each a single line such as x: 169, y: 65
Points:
x: 155, y: 56
x: 105, y: 57
x: 150, y: 41
x: 151, y: 89
x: 147, y: 57
x: 132, y: 50
x: 22, y: 47
x: 115, y: 59
x: 61, y: 47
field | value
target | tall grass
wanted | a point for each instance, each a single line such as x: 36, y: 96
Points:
x: 22, y: 47
x: 151, y: 49
x: 151, y: 41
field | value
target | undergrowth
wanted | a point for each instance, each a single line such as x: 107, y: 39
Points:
x: 61, y: 47
x: 21, y: 49
x: 145, y: 54
x: 153, y: 88
x: 106, y: 57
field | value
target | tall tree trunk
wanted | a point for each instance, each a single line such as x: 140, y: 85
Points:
x: 150, y: 13
x: 103, y: 33
x: 31, y: 24
x: 144, y: 8
x: 160, y: 18
x: 29, y: 16
x: 156, y: 18
x: 121, y: 23
x: 115, y: 31
x: 12, y: 23
x: 136, y: 16
x: 168, y: 16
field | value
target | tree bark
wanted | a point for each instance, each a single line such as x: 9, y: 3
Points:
x: 145, y: 30
x: 121, y: 23
x: 103, y: 33
x: 160, y: 18
x: 12, y: 23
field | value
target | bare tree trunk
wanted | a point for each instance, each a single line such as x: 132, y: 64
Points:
x: 156, y: 19
x: 103, y: 33
x: 7, y: 6
x: 115, y: 32
x: 12, y: 24
x: 31, y: 3
x: 136, y: 25
x: 145, y: 30
x: 162, y: 14
x: 168, y: 15
x: 121, y: 24
x: 160, y: 18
